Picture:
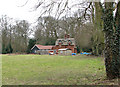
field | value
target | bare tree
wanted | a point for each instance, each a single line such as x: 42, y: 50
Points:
x: 105, y: 9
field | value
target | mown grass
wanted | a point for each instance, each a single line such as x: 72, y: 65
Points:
x: 52, y: 70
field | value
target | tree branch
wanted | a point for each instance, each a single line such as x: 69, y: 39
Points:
x: 87, y: 9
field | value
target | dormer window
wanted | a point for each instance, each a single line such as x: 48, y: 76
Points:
x: 69, y: 42
x: 60, y: 41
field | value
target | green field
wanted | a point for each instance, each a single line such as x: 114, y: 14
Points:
x: 52, y: 70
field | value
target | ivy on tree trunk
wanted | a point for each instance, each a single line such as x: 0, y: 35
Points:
x: 112, y: 60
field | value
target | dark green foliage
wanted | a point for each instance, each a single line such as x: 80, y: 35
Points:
x: 31, y: 43
x: 87, y: 49
x: 7, y: 49
x: 50, y: 41
x: 10, y: 48
x: 3, y: 49
x: 78, y: 49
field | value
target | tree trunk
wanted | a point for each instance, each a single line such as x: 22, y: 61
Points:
x: 96, y: 19
x: 108, y: 29
x: 116, y: 49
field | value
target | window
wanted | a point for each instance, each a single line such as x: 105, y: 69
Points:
x: 60, y: 41
x: 69, y: 42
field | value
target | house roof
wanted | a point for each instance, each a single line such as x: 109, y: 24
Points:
x: 42, y: 47
x: 38, y: 45
x: 45, y: 47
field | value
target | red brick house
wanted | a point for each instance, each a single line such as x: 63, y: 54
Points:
x: 65, y: 44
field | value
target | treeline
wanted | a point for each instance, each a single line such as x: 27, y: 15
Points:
x: 87, y: 37
x: 15, y: 33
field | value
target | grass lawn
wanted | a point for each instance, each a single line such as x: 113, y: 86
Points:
x: 53, y: 70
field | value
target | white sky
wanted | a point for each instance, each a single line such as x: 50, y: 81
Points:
x: 12, y: 9
x: 15, y: 10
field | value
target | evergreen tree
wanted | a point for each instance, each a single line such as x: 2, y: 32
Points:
x: 32, y: 42
x: 9, y: 48
x: 3, y: 49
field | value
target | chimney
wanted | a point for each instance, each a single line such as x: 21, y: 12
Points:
x: 67, y: 36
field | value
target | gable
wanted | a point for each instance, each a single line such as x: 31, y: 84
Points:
x: 35, y: 48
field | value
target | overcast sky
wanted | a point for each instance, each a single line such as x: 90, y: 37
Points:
x: 14, y: 9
